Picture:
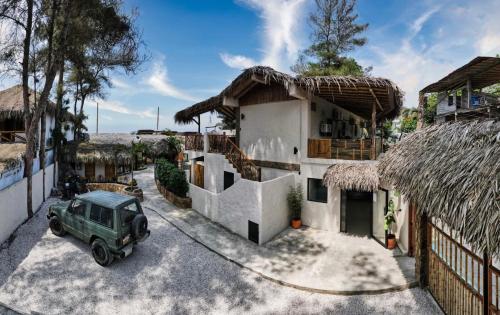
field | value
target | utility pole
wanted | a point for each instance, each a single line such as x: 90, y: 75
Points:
x: 158, y: 118
x: 97, y: 120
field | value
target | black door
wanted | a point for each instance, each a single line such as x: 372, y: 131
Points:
x: 356, y: 212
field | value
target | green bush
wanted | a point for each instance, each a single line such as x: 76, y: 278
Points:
x: 172, y: 177
x: 295, y: 199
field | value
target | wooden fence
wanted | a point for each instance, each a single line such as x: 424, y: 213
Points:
x: 194, y: 142
x: 457, y: 275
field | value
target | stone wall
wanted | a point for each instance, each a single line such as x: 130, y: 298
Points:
x: 117, y: 188
x: 182, y: 202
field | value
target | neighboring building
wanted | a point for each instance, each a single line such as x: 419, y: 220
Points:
x: 290, y: 130
x: 461, y: 94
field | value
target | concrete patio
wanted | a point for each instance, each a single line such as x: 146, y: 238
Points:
x: 307, y: 259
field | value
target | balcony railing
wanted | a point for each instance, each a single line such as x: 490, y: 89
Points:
x: 12, y: 136
x: 343, y: 149
x: 194, y: 142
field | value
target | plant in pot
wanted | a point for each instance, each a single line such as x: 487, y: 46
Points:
x: 389, y: 220
x: 294, y: 199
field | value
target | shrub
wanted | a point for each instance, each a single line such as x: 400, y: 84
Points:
x: 171, y: 177
x: 294, y: 199
x: 132, y: 182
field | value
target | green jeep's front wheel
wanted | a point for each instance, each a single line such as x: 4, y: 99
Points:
x: 56, y: 226
x: 102, y: 254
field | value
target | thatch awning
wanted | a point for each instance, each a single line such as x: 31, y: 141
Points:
x: 482, y: 72
x: 359, y: 176
x: 355, y: 94
x: 12, y: 104
x: 452, y: 172
x: 11, y: 155
x: 103, y: 153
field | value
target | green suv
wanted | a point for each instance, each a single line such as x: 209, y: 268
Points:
x: 111, y: 223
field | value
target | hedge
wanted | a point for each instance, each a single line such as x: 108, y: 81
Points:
x: 171, y: 177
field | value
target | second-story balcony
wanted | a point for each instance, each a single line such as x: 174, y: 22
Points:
x: 344, y: 149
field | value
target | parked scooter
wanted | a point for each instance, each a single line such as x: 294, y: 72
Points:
x: 73, y: 185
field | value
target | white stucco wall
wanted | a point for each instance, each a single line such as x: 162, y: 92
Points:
x: 270, y: 131
x: 267, y: 173
x: 15, y: 212
x: 100, y: 170
x: 402, y: 220
x: 214, y: 167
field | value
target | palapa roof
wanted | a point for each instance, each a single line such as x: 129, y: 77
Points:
x: 452, y: 172
x: 356, y: 94
x: 352, y: 175
x: 11, y: 155
x: 12, y: 105
x: 482, y: 71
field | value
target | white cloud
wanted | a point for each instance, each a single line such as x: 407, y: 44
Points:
x: 281, y: 25
x: 417, y: 25
x: 118, y: 107
x: 159, y: 81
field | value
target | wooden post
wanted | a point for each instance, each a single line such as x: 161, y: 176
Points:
x: 486, y: 284
x: 421, y: 250
x: 374, y: 127
x: 199, y: 124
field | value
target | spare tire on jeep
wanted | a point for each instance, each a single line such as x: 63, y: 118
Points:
x: 139, y: 226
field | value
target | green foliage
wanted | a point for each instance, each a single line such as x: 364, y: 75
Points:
x: 493, y: 89
x: 132, y: 182
x: 226, y: 122
x: 390, y: 217
x: 295, y: 199
x: 168, y: 148
x: 334, y: 33
x: 430, y: 109
x: 409, y: 117
x: 171, y: 177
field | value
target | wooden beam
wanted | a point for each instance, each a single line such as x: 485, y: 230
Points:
x: 230, y: 101
x: 298, y: 92
x: 376, y: 100
x: 259, y: 79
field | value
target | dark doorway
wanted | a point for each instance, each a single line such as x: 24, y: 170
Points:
x: 253, y: 232
x: 356, y: 212
x: 228, y: 180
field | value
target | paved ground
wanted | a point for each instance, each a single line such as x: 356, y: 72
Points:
x: 168, y: 274
x: 307, y: 258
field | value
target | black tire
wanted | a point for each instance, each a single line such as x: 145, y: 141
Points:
x: 139, y: 226
x: 101, y: 253
x: 56, y: 226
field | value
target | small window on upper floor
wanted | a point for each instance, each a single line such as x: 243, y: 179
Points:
x: 316, y: 191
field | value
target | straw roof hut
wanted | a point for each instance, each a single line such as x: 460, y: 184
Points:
x: 12, y: 105
x: 352, y: 175
x: 356, y: 94
x: 452, y: 172
x: 11, y: 155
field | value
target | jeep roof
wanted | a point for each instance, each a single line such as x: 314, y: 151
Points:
x: 105, y: 198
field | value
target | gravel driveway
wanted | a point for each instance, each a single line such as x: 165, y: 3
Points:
x: 168, y: 274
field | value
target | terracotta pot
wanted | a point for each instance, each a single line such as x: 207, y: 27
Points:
x: 391, y: 241
x: 296, y: 223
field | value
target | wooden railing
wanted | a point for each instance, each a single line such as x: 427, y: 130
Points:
x: 456, y: 275
x: 12, y: 136
x: 343, y: 149
x: 194, y: 142
x: 225, y: 145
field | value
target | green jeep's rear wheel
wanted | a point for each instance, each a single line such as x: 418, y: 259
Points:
x: 102, y: 254
x: 56, y: 226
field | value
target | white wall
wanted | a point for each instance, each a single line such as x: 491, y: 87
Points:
x: 14, y: 212
x: 270, y: 131
x: 267, y: 173
x: 402, y: 220
x: 100, y: 170
x: 214, y: 167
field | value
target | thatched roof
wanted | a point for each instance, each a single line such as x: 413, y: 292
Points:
x: 12, y: 105
x: 356, y: 94
x: 352, y: 175
x: 482, y: 71
x: 452, y: 172
x: 11, y: 155
x: 124, y: 138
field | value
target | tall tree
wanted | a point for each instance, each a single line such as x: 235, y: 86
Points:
x: 335, y: 33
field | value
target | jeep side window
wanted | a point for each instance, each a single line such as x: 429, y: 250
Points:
x: 102, y: 216
x: 78, y: 207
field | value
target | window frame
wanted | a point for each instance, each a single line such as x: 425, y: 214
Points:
x: 100, y: 217
x: 71, y: 209
x: 309, y: 179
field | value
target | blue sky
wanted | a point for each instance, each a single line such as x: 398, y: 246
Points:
x: 198, y: 46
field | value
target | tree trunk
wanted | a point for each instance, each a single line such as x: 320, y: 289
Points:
x: 42, y: 150
x: 57, y: 126
x: 28, y: 155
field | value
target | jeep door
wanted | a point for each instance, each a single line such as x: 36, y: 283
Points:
x: 75, y: 220
x: 102, y: 224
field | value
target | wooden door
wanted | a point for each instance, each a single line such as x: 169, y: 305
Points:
x: 90, y: 171
x: 199, y: 178
x: 109, y: 171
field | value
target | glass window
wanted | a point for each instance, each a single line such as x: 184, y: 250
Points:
x: 316, y: 191
x: 78, y: 207
x: 102, y: 216
x: 128, y: 212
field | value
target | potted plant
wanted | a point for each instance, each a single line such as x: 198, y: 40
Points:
x: 389, y: 220
x: 294, y: 199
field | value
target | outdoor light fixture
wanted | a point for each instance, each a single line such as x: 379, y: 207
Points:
x: 242, y: 116
x: 295, y: 150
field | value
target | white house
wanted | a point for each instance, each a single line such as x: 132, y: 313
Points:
x: 290, y: 130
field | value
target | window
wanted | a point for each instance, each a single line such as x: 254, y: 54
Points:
x: 316, y: 191
x: 128, y: 213
x: 450, y: 100
x: 253, y: 232
x: 228, y: 180
x: 102, y: 216
x: 78, y: 207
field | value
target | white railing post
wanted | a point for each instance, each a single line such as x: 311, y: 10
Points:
x: 206, y: 145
